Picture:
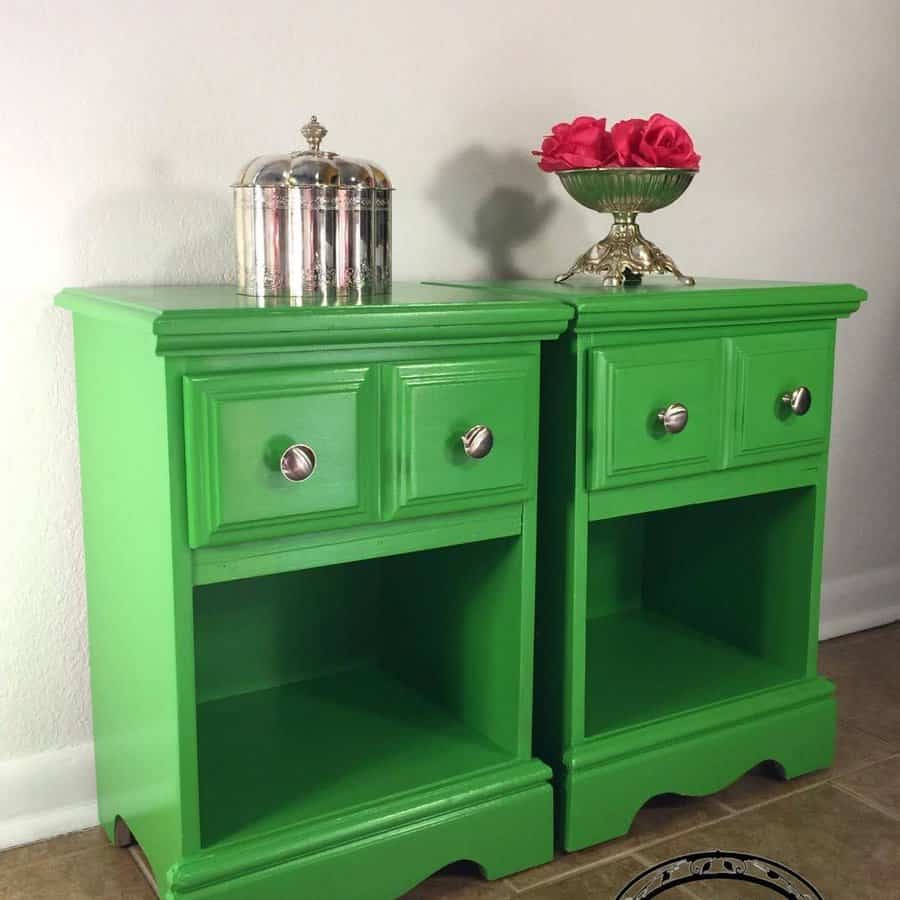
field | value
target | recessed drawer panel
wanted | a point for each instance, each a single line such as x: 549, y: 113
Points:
x: 463, y: 434
x: 783, y: 395
x: 280, y: 452
x: 655, y: 412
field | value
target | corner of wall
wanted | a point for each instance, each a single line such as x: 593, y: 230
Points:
x: 856, y: 602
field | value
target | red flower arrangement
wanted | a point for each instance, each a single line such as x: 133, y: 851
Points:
x: 586, y: 144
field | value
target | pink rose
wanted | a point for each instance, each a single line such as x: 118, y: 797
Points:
x: 586, y: 144
x: 582, y: 144
x: 663, y: 142
x: 626, y: 138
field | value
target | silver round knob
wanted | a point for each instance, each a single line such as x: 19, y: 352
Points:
x: 298, y: 462
x: 478, y: 441
x: 799, y: 400
x: 674, y: 417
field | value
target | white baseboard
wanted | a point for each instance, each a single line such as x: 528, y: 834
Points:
x: 861, y: 601
x: 54, y: 793
x: 47, y: 794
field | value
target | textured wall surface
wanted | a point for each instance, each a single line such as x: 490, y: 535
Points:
x: 123, y: 125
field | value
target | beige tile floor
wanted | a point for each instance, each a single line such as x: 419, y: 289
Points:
x: 840, y: 828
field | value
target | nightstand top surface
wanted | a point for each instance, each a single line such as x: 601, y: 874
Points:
x: 170, y: 300
x: 197, y: 317
x: 191, y: 316
x: 662, y: 300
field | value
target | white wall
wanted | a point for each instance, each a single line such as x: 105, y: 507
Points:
x: 123, y: 124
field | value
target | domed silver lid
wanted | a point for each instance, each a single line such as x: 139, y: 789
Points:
x: 312, y: 167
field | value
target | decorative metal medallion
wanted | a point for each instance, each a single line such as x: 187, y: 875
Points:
x: 625, y: 255
x: 720, y: 865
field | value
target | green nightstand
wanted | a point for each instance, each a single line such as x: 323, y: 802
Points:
x: 310, y: 550
x: 684, y: 442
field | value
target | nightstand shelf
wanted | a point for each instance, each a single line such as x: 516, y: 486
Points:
x: 324, y: 690
x: 693, y: 605
x: 642, y: 666
x: 375, y: 738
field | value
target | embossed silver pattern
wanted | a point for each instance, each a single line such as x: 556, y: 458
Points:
x: 313, y: 225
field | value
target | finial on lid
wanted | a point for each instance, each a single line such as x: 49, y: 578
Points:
x: 314, y: 132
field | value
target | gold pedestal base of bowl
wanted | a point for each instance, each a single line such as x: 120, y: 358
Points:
x: 623, y: 256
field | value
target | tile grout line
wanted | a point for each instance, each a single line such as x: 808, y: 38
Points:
x: 634, y: 851
x: 577, y: 870
x: 855, y: 723
x: 852, y: 770
x: 866, y: 801
x: 793, y: 793
x: 728, y: 806
x: 580, y: 870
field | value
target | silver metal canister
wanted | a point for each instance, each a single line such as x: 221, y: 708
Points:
x: 313, y: 225
x: 381, y: 226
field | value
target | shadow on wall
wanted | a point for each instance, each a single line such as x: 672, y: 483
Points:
x: 158, y: 232
x: 496, y: 201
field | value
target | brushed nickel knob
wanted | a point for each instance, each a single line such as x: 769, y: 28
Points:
x: 298, y: 462
x: 674, y: 417
x: 478, y: 441
x: 799, y: 400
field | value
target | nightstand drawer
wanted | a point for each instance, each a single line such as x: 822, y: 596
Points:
x: 279, y: 452
x: 463, y: 434
x: 783, y: 395
x: 655, y: 412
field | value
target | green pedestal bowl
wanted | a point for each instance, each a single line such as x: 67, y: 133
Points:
x: 625, y: 255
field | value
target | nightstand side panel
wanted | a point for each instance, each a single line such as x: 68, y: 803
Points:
x: 139, y: 590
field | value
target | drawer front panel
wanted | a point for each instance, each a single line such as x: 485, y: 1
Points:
x: 433, y: 405
x: 238, y: 425
x: 768, y: 367
x: 629, y: 386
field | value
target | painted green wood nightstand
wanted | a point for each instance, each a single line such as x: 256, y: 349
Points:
x: 682, y: 495
x: 310, y: 601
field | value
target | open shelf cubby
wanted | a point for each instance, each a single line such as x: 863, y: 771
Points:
x: 696, y: 605
x: 324, y: 690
